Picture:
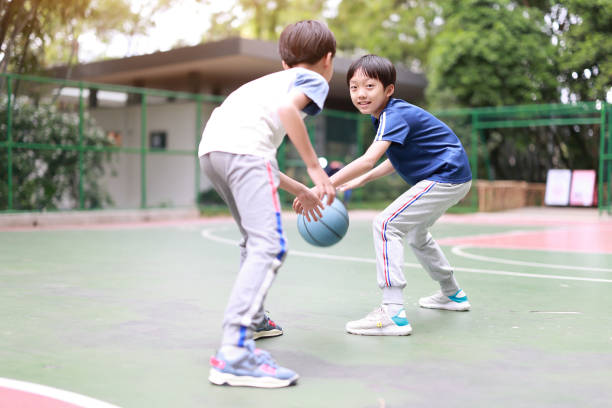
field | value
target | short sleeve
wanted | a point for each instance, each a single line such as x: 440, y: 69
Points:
x: 314, y: 87
x: 392, y: 127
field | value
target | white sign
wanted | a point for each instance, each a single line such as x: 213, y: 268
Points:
x: 558, y: 187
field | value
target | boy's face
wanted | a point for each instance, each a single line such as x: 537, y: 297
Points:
x: 368, y: 94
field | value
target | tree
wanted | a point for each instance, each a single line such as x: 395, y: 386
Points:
x: 261, y: 19
x: 399, y: 30
x: 27, y: 25
x: 46, y: 179
x: 491, y: 53
x: 582, y: 30
x: 37, y: 33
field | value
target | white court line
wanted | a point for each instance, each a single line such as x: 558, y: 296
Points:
x: 54, y: 393
x: 208, y: 234
x: 459, y: 250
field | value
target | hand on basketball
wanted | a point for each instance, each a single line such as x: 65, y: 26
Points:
x: 325, y: 190
x: 323, y: 186
x: 308, y: 203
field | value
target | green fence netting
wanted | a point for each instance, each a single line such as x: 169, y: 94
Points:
x: 74, y: 145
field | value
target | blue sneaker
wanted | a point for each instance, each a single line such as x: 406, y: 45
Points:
x: 379, y: 323
x: 267, y: 328
x: 457, y: 302
x: 253, y: 368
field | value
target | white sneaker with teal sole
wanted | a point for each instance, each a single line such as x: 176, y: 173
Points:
x: 457, y: 302
x: 379, y: 323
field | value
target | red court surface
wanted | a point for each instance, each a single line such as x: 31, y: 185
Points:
x: 20, y: 394
x: 539, y: 228
x: 592, y: 238
x: 23, y: 399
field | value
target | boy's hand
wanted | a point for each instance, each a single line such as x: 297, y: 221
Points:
x: 323, y: 186
x: 308, y: 203
x: 352, y: 184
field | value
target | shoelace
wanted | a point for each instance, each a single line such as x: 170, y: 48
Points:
x: 376, y: 312
x: 260, y: 357
x: 268, y: 321
x: 265, y: 358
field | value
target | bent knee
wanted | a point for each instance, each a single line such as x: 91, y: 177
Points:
x: 379, y: 222
x: 281, y: 255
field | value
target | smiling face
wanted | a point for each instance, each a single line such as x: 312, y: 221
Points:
x: 368, y: 94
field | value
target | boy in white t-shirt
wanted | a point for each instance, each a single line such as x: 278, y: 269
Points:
x: 238, y: 155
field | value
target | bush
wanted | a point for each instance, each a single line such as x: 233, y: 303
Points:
x: 384, y: 189
x: 210, y: 197
x: 47, y: 177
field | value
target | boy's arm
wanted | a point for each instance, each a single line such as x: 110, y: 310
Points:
x: 289, y: 114
x: 379, y: 171
x: 310, y: 201
x: 362, y: 164
x: 358, y: 167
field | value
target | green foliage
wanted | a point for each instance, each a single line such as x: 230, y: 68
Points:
x: 491, y: 53
x: 210, y: 196
x: 261, y: 19
x: 35, y: 34
x: 583, y: 30
x: 210, y: 203
x: 27, y: 27
x: 48, y: 178
x: 399, y: 30
x: 528, y: 154
x: 474, y: 52
x: 384, y: 189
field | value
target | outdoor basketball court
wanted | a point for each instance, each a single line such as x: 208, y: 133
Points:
x: 128, y: 316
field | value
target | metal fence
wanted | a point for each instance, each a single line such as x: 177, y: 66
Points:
x: 129, y: 147
x: 139, y: 154
x: 583, y: 128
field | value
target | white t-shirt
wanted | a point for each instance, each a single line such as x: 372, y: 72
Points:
x: 247, y: 121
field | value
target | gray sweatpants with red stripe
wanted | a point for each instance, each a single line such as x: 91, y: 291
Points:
x: 248, y: 184
x: 407, y: 220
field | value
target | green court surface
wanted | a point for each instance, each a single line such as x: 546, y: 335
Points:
x: 130, y: 314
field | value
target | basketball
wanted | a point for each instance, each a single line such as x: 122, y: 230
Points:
x: 327, y: 230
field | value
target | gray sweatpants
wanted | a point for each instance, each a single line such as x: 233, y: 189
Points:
x: 408, y: 219
x: 248, y: 184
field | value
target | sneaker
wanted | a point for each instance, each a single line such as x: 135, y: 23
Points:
x: 267, y: 328
x: 378, y: 323
x: 457, y: 302
x: 254, y: 368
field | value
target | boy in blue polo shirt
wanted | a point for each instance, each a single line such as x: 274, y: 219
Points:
x: 428, y: 156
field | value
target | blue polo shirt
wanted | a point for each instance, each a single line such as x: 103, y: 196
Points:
x: 423, y: 147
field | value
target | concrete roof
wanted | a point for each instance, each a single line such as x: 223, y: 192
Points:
x: 220, y: 67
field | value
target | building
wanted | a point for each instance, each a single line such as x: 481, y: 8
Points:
x: 218, y: 68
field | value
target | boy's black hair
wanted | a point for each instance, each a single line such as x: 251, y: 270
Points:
x: 306, y: 41
x: 375, y: 67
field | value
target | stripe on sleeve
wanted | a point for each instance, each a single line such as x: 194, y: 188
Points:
x: 381, y: 127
